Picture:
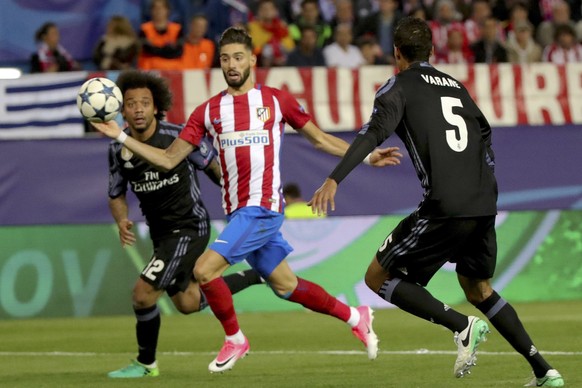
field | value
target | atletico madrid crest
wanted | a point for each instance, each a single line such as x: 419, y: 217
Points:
x: 264, y: 113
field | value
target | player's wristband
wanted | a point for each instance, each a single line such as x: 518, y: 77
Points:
x: 367, y: 159
x: 121, y: 137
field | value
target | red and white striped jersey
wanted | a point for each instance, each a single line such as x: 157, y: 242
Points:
x: 247, y: 131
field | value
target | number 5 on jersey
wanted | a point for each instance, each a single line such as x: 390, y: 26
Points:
x: 456, y: 139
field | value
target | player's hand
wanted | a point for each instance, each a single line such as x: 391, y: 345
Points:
x: 126, y: 236
x: 385, y: 157
x: 322, y: 197
x: 109, y: 128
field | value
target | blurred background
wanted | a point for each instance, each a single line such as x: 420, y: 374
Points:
x: 520, y: 60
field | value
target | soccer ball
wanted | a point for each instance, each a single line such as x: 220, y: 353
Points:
x: 99, y: 100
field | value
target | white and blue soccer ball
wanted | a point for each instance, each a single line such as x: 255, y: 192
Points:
x: 99, y: 100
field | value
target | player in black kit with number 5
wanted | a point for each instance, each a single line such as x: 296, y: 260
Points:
x: 170, y: 201
x: 449, y: 142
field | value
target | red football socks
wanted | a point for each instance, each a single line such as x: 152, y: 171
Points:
x: 219, y: 299
x: 315, y: 298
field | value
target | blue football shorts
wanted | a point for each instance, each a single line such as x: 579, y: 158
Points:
x: 253, y: 234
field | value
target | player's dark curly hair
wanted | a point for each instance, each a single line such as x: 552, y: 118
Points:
x: 413, y: 38
x: 236, y: 35
x: 134, y: 79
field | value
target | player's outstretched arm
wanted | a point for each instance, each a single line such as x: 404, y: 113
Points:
x: 323, y: 197
x: 333, y: 145
x: 164, y: 160
x: 323, y: 141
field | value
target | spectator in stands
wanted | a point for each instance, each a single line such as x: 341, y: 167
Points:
x: 198, y: 51
x: 342, y: 53
x: 464, y: 8
x: 419, y: 13
x: 371, y: 51
x: 576, y: 10
x: 504, y: 10
x: 565, y: 48
x: 456, y: 51
x: 161, y: 40
x: 518, y: 13
x: 288, y: 10
x: 119, y: 47
x: 380, y: 25
x: 51, y: 56
x: 310, y: 16
x: 560, y: 15
x: 446, y: 18
x: 365, y: 8
x: 489, y: 49
x: 306, y: 53
x: 521, y: 47
x: 181, y: 11
x: 327, y: 10
x: 295, y: 206
x: 410, y: 6
x: 344, y: 14
x: 270, y: 35
x: 222, y: 14
x: 480, y: 11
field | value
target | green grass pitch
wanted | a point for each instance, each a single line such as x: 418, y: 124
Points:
x: 290, y: 349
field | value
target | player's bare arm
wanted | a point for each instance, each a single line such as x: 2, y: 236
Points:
x: 164, y: 160
x: 120, y: 213
x: 333, y: 145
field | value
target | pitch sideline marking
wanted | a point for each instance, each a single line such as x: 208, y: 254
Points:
x: 420, y: 352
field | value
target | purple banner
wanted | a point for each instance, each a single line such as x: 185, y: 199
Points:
x: 65, y: 181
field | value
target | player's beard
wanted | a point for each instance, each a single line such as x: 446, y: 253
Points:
x: 245, y: 75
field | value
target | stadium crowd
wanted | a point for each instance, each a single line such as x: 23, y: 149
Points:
x: 332, y: 33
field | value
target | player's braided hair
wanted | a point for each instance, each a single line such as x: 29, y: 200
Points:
x: 413, y: 38
x: 134, y: 79
x: 236, y: 35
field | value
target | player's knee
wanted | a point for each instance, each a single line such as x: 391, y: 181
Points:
x: 369, y: 280
x: 140, y: 300
x: 201, y: 273
x: 472, y: 298
x: 187, y: 309
x: 188, y: 304
x: 477, y: 295
x: 373, y: 281
x: 282, y: 291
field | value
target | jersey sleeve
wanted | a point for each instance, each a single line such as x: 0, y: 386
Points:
x: 293, y: 112
x: 117, y: 183
x: 203, y: 154
x: 195, y: 129
x: 388, y: 111
x: 386, y: 116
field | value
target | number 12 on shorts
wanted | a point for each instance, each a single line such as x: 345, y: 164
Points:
x: 155, y: 266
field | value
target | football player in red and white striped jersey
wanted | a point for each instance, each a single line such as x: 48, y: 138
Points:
x: 246, y: 122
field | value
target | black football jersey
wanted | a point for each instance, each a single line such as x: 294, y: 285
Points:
x: 170, y: 201
x: 446, y: 136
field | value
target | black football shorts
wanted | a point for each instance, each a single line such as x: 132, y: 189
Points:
x: 171, y: 265
x: 418, y: 247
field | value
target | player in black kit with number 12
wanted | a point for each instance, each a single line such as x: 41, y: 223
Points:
x: 449, y: 142
x: 170, y: 201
